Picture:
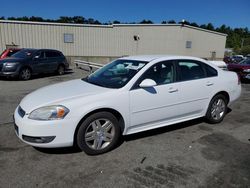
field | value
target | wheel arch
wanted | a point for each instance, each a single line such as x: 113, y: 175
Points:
x: 26, y: 66
x: 225, y: 93
x: 110, y: 110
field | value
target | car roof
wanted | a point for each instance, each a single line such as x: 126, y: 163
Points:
x: 149, y: 58
x: 36, y: 49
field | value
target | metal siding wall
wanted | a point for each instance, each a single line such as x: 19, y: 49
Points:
x: 113, y: 41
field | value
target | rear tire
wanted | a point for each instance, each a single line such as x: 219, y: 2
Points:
x: 61, y: 70
x: 99, y: 133
x: 217, y: 109
x: 25, y: 74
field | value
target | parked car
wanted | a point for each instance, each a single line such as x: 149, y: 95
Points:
x: 9, y: 52
x: 28, y: 62
x: 129, y: 95
x: 242, y: 68
x: 237, y: 58
x: 227, y: 59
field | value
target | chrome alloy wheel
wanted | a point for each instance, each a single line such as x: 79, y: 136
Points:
x: 99, y: 134
x: 218, y: 109
x: 25, y: 74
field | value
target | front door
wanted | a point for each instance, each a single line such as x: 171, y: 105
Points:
x: 38, y: 63
x: 155, y: 105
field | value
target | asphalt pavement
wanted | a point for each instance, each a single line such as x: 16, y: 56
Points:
x: 190, y: 154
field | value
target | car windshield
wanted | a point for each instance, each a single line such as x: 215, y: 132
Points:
x: 23, y: 53
x: 116, y: 74
x: 245, y: 62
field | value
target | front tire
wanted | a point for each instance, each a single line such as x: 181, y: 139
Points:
x: 217, y: 109
x: 25, y: 74
x: 99, y: 133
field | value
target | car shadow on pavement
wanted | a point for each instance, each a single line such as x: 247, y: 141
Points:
x: 64, y: 150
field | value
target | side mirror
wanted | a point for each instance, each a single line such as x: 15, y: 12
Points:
x: 147, y: 83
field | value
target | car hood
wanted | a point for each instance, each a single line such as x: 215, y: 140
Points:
x: 57, y: 93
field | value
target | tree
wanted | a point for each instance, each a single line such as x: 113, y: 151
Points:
x: 184, y: 22
x: 245, y: 50
x: 210, y: 26
x: 203, y: 26
x: 78, y: 19
x: 146, y: 22
x: 194, y: 24
x: 116, y: 22
x: 171, y: 22
x: 65, y: 19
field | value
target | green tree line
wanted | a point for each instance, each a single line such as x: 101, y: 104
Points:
x: 238, y: 38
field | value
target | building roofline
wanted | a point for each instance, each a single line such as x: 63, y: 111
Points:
x: 54, y: 23
x: 109, y: 26
x: 179, y: 25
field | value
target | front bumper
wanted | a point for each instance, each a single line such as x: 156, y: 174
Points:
x: 46, y: 134
x: 9, y: 74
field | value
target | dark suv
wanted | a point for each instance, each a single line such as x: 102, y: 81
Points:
x: 28, y: 62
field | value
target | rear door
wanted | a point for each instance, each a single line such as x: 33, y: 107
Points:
x: 195, y: 87
x: 53, y: 60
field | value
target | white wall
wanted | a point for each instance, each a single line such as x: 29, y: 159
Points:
x: 113, y: 41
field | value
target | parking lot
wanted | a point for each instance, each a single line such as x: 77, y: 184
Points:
x: 190, y: 154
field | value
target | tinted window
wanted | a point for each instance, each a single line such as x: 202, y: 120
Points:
x: 210, y: 71
x: 24, y: 53
x: 52, y: 54
x: 161, y: 73
x: 247, y: 62
x: 40, y: 55
x: 190, y: 70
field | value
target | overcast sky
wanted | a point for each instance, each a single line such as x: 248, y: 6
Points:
x: 230, y: 12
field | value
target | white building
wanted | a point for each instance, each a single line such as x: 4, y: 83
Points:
x: 105, y: 42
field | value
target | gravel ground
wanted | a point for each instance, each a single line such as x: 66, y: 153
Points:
x: 190, y: 154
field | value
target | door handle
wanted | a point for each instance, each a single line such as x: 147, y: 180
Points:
x: 209, y: 84
x: 172, y: 90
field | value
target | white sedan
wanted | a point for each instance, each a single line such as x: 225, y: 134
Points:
x: 129, y: 95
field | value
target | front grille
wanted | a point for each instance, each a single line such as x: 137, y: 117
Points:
x: 21, y: 112
x: 1, y: 66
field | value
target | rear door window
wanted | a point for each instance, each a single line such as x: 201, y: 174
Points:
x: 190, y: 70
x: 52, y: 54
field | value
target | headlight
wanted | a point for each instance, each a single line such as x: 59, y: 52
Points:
x: 49, y: 113
x: 12, y: 64
x: 246, y: 70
